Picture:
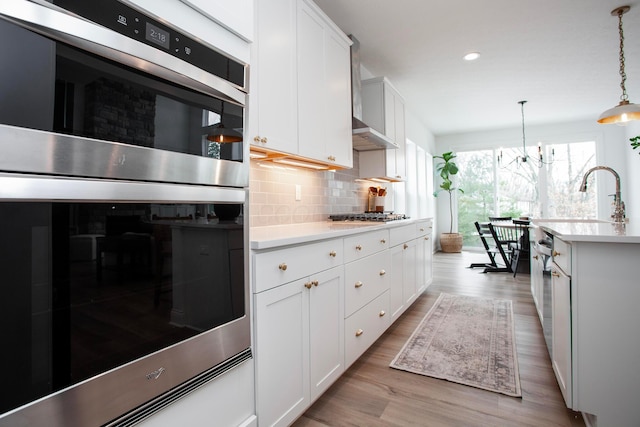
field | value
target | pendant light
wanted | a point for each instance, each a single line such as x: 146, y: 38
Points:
x: 221, y: 134
x: 537, y: 161
x: 625, y: 111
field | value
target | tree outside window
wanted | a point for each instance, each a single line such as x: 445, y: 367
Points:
x: 520, y: 188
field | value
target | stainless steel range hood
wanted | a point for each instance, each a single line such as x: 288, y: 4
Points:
x: 365, y: 138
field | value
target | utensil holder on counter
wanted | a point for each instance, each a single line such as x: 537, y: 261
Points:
x: 376, y: 204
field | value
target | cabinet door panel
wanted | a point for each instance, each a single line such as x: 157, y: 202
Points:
x: 282, y: 353
x: 561, y: 331
x: 326, y: 326
x: 311, y: 87
x: 275, y: 115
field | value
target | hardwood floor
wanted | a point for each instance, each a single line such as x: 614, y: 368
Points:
x: 370, y: 393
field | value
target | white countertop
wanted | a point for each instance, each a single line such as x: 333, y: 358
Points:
x: 597, y: 231
x: 273, y: 236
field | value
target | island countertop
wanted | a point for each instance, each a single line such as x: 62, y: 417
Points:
x: 591, y: 230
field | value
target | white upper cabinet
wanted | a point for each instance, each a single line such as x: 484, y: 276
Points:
x: 324, y: 89
x: 383, y: 110
x: 236, y: 15
x: 301, y: 84
x: 273, y: 114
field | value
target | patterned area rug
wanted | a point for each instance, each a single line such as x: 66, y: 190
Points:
x: 466, y: 340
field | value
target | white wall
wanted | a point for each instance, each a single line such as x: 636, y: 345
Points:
x: 612, y: 149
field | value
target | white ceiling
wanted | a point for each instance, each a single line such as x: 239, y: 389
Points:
x: 562, y: 56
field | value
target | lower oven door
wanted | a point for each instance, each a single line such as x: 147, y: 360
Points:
x: 115, y: 293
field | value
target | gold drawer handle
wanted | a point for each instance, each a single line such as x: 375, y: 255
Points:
x: 382, y: 313
x: 308, y: 285
x: 405, y: 246
x: 555, y: 274
x: 332, y: 254
x: 383, y: 241
x: 331, y: 158
x: 535, y: 257
x: 426, y: 238
x: 359, y: 332
x: 382, y: 272
x: 263, y: 140
x: 358, y: 248
x: 556, y: 253
x: 283, y: 266
x: 358, y: 284
x: 421, y: 229
x: 315, y: 282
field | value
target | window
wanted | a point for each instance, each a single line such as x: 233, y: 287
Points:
x: 516, y: 188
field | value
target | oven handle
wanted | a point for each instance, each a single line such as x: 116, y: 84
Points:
x: 48, y: 188
x: 86, y: 35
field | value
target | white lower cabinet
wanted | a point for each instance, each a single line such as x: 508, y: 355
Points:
x: 299, y: 331
x: 561, y: 331
x: 319, y: 305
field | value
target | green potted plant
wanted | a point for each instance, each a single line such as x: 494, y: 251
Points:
x: 447, y: 168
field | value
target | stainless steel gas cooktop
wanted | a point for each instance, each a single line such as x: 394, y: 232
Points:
x: 368, y: 216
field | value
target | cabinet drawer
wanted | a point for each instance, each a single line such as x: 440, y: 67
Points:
x: 280, y: 266
x: 365, y: 326
x: 562, y: 255
x: 365, y: 244
x: 365, y: 279
x: 402, y: 234
x: 423, y: 228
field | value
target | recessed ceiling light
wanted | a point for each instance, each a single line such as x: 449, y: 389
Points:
x: 471, y: 56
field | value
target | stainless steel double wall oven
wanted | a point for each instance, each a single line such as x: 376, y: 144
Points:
x: 122, y: 241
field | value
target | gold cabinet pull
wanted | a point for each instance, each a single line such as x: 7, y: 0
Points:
x: 332, y: 254
x: 358, y: 247
x: 283, y: 266
x: 308, y: 285
x: 263, y: 140
x: 382, y: 272
x: 421, y: 229
x: 405, y: 246
x: 358, y: 284
x: 426, y: 238
x: 331, y: 158
x: 359, y: 332
x: 556, y: 253
x: 383, y: 241
x: 535, y: 257
x: 382, y: 313
x: 256, y: 139
x: 555, y: 274
x: 315, y: 282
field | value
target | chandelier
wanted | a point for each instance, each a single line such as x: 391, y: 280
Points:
x: 625, y: 111
x: 538, y: 160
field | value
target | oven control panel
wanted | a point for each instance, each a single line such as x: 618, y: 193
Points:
x: 132, y: 23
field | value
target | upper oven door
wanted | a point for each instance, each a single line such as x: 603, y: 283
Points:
x: 79, y: 99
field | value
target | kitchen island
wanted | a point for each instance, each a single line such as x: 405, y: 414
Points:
x: 595, y: 290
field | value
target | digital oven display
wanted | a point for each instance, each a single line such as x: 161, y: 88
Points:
x: 158, y: 36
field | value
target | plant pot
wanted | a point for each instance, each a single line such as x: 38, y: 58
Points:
x: 451, y: 242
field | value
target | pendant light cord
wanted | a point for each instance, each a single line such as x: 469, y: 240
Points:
x: 623, y: 74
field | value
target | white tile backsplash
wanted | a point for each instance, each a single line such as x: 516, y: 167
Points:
x: 272, y: 194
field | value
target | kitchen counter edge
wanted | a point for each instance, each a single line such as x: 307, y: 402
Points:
x: 275, y: 236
